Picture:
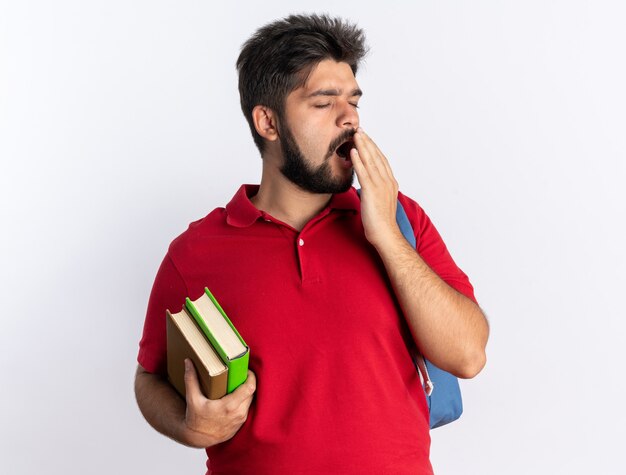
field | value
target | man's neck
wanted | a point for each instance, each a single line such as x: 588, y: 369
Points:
x: 287, y: 202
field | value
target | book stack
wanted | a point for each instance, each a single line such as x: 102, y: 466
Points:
x: 202, y: 332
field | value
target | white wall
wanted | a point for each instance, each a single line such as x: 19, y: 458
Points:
x: 120, y: 124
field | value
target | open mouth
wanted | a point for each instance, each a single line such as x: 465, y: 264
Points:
x: 344, y: 149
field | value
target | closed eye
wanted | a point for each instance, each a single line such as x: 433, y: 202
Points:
x: 323, y: 106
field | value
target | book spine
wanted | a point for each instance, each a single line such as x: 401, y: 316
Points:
x: 238, y: 372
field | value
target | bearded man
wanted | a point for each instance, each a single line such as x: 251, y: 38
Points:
x: 331, y: 299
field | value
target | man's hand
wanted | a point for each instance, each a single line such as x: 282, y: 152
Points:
x: 210, y: 421
x: 379, y: 190
x: 449, y: 329
x: 200, y: 422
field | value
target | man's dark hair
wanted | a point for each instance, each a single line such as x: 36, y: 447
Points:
x: 279, y: 57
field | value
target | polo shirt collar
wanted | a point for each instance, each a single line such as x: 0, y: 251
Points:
x: 241, y: 213
x: 348, y: 201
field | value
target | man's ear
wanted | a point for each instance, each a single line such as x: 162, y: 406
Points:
x: 265, y: 122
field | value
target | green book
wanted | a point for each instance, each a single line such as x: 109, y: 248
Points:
x: 223, y: 335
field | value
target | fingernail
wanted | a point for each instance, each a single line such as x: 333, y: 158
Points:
x: 187, y: 364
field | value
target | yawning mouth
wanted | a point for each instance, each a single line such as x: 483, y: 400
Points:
x: 344, y: 149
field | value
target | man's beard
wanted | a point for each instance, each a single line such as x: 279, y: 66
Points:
x: 297, y: 170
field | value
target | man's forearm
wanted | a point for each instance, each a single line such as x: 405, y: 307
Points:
x: 449, y: 329
x: 161, y: 406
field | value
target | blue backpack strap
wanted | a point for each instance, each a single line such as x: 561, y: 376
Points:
x: 444, y: 401
x: 405, y: 225
x: 444, y: 397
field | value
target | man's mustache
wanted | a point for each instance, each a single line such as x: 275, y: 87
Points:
x: 348, y: 134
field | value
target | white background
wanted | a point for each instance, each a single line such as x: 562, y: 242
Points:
x: 120, y: 124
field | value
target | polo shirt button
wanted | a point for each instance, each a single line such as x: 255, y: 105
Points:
x: 301, y: 242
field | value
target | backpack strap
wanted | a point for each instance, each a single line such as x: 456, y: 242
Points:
x: 407, y: 231
x: 405, y: 225
x: 445, y: 405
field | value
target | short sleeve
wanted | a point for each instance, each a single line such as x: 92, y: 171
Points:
x: 168, y: 293
x: 432, y: 249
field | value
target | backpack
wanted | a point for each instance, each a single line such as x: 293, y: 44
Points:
x: 441, y: 388
x: 443, y: 393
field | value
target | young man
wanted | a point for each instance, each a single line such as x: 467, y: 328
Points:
x: 326, y: 291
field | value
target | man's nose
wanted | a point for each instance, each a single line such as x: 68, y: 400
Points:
x: 348, y: 116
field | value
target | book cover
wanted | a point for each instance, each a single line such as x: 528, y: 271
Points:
x: 223, y: 335
x: 186, y: 340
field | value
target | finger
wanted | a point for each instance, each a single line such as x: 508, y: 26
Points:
x: 250, y: 389
x: 381, y: 156
x: 361, y: 172
x: 372, y: 157
x: 240, y: 399
x: 384, y: 161
x: 250, y: 384
x: 243, y: 392
x: 378, y: 157
x: 365, y: 152
x: 368, y: 144
x: 192, y: 386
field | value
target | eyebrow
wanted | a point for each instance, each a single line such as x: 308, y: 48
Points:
x: 334, y: 92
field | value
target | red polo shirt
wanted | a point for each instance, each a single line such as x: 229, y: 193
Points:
x: 337, y: 392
